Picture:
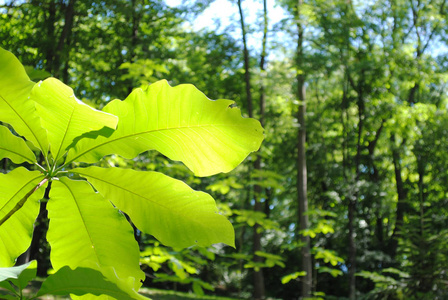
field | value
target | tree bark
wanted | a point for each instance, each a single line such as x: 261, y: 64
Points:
x: 258, y: 277
x: 301, y: 164
x: 50, y: 39
x: 402, y: 195
x: 134, y: 38
x: 353, y: 201
x: 246, y: 62
x: 64, y: 38
x: 352, y: 249
x: 36, y: 251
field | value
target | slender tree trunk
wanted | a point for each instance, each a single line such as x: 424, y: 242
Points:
x: 402, y: 195
x: 301, y: 164
x: 258, y: 277
x: 246, y: 62
x: 36, y: 251
x: 263, y: 62
x: 353, y: 201
x: 62, y: 46
x: 375, y: 179
x: 421, y: 196
x: 50, y: 38
x: 4, y: 165
x: 351, y: 249
x: 302, y: 194
x: 134, y: 41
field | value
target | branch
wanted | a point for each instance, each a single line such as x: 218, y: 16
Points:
x: 22, y: 201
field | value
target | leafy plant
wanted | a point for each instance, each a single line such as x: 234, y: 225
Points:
x: 88, y: 232
x: 390, y: 286
x: 15, y: 279
x: 178, y: 266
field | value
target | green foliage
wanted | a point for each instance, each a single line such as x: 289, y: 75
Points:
x: 17, y: 223
x: 143, y: 71
x: 166, y: 208
x: 183, y: 265
x: 15, y: 148
x: 270, y: 260
x: 92, y: 245
x: 15, y: 279
x: 386, y: 286
x: 295, y: 275
x: 328, y: 256
x: 82, y: 281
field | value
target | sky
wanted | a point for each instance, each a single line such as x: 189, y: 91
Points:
x: 225, y: 10
x: 226, y: 13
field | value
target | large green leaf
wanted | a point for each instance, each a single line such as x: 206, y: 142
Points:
x: 81, y: 281
x: 20, y: 276
x: 15, y: 106
x: 64, y: 116
x: 162, y: 206
x: 86, y: 227
x: 16, y: 231
x: 14, y: 147
x: 180, y: 122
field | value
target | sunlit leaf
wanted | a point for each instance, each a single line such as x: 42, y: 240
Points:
x: 164, y: 207
x: 20, y: 274
x: 64, y: 116
x: 288, y: 278
x: 86, y: 227
x: 332, y: 272
x: 16, y: 231
x: 14, y: 147
x: 209, y: 137
x: 15, y: 106
x: 81, y: 281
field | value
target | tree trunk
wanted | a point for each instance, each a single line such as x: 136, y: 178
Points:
x: 354, y: 200
x: 246, y: 62
x: 402, y: 195
x: 301, y: 165
x: 64, y: 38
x: 36, y: 250
x: 4, y: 165
x: 50, y: 38
x: 258, y: 277
x: 351, y: 249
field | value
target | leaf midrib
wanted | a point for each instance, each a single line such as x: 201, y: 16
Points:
x: 26, y: 184
x: 138, y: 195
x: 145, y: 132
x: 83, y: 221
x: 17, y: 153
x: 65, y: 133
x: 26, y: 124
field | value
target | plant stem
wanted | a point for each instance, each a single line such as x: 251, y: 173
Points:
x: 40, y: 167
x: 22, y: 201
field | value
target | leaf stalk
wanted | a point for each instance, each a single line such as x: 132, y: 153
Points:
x: 22, y: 201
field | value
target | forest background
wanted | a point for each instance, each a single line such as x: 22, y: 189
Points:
x: 347, y: 197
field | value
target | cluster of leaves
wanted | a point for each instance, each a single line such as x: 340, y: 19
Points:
x: 88, y: 231
x: 77, y: 282
x: 180, y: 266
x: 390, y: 283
